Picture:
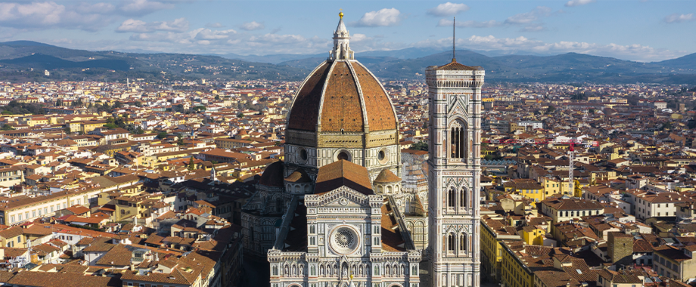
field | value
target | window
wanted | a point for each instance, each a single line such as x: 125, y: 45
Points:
x: 462, y: 202
x: 130, y: 283
x: 462, y: 243
x: 458, y: 141
x: 450, y: 242
x: 343, y: 156
x: 452, y: 198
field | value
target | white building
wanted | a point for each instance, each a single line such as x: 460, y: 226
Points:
x: 650, y: 204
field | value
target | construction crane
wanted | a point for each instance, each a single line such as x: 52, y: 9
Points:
x: 571, y: 157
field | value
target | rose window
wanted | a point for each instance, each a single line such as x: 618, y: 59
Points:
x: 344, y: 240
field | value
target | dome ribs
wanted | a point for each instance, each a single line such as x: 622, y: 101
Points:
x: 379, y: 108
x: 341, y: 109
x: 305, y: 109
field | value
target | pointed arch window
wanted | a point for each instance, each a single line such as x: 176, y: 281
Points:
x: 458, y: 140
x: 451, y: 240
x: 462, y: 199
x: 463, y: 242
x: 452, y: 198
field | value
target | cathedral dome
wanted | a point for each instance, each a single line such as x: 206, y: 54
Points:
x: 342, y: 95
x: 273, y: 175
x: 342, y: 112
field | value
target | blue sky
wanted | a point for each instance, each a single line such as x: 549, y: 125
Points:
x: 648, y: 30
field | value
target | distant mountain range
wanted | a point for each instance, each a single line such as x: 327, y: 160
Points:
x: 18, y: 58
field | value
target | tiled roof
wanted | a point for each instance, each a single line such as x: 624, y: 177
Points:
x: 457, y: 66
x: 342, y: 96
x: 299, y: 176
x: 273, y: 175
x: 391, y: 238
x: 387, y: 176
x: 343, y: 173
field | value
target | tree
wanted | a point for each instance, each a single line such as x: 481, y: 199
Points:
x: 217, y: 97
x: 7, y: 127
x: 59, y: 102
x: 161, y: 135
x: 190, y: 164
x: 420, y: 146
x: 138, y: 104
x: 240, y: 115
x: 666, y: 126
x: 592, y: 111
x: 550, y: 109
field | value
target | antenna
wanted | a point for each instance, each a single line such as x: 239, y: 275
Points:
x: 454, y: 37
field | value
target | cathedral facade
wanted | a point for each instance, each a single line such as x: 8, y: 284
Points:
x: 337, y: 213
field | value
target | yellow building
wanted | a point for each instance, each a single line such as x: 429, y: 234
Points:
x: 527, y: 188
x: 493, y: 230
x: 12, y: 237
x: 515, y: 272
x: 554, y: 186
x: 88, y: 126
x: 533, y: 235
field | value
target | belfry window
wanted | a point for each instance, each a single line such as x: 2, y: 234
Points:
x: 451, y: 198
x: 450, y: 242
x: 458, y: 141
x: 462, y: 243
x: 462, y: 201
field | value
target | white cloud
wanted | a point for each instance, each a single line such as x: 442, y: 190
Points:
x: 90, y: 16
x: 384, y: 17
x: 533, y: 28
x: 573, y: 3
x: 207, y: 34
x: 448, y: 9
x: 470, y: 23
x: 678, y: 18
x: 253, y: 25
x: 214, y: 25
x: 132, y: 25
x: 38, y: 13
x: 525, y: 18
x: 359, y: 38
x: 143, y: 7
x: 522, y: 44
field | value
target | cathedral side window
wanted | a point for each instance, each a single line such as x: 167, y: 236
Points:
x: 343, y: 156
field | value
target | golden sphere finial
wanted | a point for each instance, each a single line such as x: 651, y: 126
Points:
x: 340, y: 14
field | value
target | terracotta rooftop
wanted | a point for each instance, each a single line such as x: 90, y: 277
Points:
x: 387, y: 176
x: 343, y: 173
x: 342, y: 96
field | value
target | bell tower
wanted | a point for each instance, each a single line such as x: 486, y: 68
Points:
x: 454, y: 92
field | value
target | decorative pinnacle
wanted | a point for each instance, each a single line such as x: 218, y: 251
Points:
x: 340, y: 14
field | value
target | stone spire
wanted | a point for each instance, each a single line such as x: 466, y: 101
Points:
x: 341, y: 49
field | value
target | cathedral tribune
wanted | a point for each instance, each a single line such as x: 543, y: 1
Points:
x: 345, y: 209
